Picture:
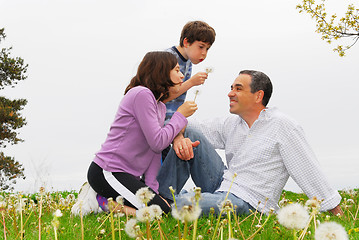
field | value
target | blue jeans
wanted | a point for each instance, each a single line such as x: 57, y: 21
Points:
x: 206, y: 169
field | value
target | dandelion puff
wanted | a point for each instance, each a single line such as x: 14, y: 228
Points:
x: 293, y: 216
x: 145, y: 214
x: 156, y: 210
x: 209, y: 69
x: 144, y: 195
x: 130, y: 228
x: 188, y: 213
x: 226, y: 205
x: 313, y: 205
x: 58, y: 213
x: 119, y: 200
x: 331, y: 231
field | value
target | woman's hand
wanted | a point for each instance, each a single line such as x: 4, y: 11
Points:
x: 187, y: 108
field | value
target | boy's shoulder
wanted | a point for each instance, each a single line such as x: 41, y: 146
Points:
x: 178, y: 55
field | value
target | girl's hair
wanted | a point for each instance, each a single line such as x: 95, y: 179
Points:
x: 154, y: 73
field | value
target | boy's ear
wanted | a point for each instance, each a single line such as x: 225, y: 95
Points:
x: 186, y: 43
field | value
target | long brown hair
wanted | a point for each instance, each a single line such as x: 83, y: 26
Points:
x: 154, y: 73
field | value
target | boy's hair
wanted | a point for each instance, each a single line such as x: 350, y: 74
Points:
x: 260, y: 81
x: 154, y: 73
x: 197, y: 31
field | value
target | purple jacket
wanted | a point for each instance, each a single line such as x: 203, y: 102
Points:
x: 137, y: 136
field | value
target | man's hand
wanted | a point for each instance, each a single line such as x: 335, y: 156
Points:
x: 337, y: 210
x: 184, y: 147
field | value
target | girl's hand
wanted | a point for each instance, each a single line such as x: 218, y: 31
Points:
x: 187, y: 108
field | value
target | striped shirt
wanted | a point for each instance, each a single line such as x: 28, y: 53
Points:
x: 265, y: 156
x: 186, y: 70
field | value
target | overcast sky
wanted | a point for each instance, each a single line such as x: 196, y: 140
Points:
x: 82, y: 54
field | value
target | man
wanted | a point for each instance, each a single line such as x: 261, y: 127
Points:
x: 262, y: 146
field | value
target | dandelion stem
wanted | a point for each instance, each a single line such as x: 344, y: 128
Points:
x: 252, y: 236
x: 185, y: 230
x: 112, y: 226
x: 40, y: 213
x: 3, y: 221
x: 195, y: 95
x: 82, y: 222
x: 306, y: 227
x: 174, y: 201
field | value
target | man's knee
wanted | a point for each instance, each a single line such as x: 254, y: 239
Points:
x: 193, y: 134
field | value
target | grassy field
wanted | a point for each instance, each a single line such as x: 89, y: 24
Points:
x: 36, y: 216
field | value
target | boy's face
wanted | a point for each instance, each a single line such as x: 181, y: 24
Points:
x: 197, y: 51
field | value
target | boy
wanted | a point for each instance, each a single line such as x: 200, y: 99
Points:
x: 196, y: 39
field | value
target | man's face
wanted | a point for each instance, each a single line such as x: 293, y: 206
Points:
x: 240, y: 97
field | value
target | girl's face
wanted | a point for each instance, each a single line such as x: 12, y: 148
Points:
x: 176, y: 77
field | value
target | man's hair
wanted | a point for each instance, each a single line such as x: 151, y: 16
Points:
x: 260, y: 81
x: 197, y: 31
x: 154, y: 73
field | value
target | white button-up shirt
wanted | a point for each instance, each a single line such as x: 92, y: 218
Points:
x: 264, y: 156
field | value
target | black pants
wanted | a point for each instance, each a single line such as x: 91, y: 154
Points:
x: 120, y: 184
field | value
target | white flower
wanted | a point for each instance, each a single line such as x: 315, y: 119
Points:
x: 58, y: 213
x: 293, y: 216
x: 131, y: 228
x: 102, y: 231
x: 145, y: 214
x: 188, y: 213
x: 331, y: 231
x: 156, y: 210
x: 144, y: 195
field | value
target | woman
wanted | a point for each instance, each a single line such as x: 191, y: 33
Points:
x: 137, y: 136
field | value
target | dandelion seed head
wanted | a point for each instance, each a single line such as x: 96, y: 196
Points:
x: 131, y: 228
x: 144, y: 195
x: 209, y: 69
x: 188, y: 213
x: 226, y: 205
x: 58, y: 213
x: 313, y: 205
x: 156, y: 210
x: 145, y: 214
x: 330, y: 231
x: 293, y: 216
x: 119, y: 200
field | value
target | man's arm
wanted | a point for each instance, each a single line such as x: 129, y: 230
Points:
x: 184, y: 146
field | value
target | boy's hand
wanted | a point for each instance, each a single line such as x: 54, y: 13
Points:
x: 198, y: 79
x: 187, y: 108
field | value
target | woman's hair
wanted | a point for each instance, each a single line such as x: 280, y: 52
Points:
x: 154, y: 73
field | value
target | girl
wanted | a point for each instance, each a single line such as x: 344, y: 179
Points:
x: 137, y: 136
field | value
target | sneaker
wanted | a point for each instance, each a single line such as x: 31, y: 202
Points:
x: 102, y: 202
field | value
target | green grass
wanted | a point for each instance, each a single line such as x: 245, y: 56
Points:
x: 99, y: 226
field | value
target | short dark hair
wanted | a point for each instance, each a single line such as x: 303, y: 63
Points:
x: 197, y: 31
x: 260, y: 81
x: 154, y: 73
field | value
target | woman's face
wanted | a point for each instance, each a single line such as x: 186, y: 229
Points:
x: 176, y: 77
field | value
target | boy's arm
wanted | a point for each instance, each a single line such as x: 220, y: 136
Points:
x: 197, y: 79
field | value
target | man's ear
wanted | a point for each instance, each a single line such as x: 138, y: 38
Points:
x: 259, y: 96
